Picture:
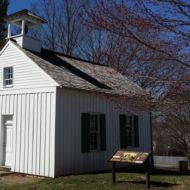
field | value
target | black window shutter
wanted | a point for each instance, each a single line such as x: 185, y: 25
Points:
x: 136, y: 129
x: 123, y: 132
x: 102, y: 132
x: 85, y: 137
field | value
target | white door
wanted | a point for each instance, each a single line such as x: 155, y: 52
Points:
x: 8, y: 141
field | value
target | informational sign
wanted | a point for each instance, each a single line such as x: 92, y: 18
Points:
x: 130, y: 157
x: 140, y: 158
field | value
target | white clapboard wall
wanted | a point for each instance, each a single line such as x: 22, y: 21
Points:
x: 70, y: 105
x: 33, y: 131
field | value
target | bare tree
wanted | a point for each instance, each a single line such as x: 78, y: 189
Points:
x: 173, y: 122
x: 64, y: 31
x: 152, y: 68
x: 128, y: 19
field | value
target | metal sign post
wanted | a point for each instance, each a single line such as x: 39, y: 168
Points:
x: 113, y: 172
x: 148, y: 173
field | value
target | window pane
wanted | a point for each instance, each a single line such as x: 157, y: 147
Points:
x: 129, y: 139
x: 10, y: 82
x: 93, y: 132
x: 6, y: 82
x: 10, y: 75
x: 129, y: 127
x: 93, y: 141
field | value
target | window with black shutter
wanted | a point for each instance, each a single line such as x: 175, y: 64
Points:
x: 93, y: 134
x: 129, y: 131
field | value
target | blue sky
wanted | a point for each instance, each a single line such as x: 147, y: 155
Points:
x: 17, y: 5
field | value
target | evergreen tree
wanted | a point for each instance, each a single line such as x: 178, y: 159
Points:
x: 3, y: 12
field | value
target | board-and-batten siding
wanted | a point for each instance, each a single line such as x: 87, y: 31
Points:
x: 34, y: 130
x: 26, y: 74
x: 70, y: 105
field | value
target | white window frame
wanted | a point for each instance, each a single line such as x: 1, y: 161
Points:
x: 97, y: 132
x: 7, y: 79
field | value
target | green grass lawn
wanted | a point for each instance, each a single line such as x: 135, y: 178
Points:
x: 125, y: 181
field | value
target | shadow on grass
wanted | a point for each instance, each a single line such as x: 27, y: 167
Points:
x: 155, y: 171
x: 169, y: 172
x: 152, y: 183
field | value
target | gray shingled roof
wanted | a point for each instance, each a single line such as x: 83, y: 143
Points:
x: 76, y: 73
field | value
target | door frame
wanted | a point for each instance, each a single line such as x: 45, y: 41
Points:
x: 5, y: 117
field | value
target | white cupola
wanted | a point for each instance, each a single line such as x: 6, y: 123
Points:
x: 25, y: 20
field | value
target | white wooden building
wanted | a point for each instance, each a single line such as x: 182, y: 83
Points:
x: 53, y: 118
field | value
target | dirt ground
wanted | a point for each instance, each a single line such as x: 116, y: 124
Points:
x: 18, y: 179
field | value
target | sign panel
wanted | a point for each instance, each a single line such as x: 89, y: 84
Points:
x: 130, y: 157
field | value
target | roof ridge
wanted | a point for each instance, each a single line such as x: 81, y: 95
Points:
x: 58, y: 61
x: 73, y: 57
